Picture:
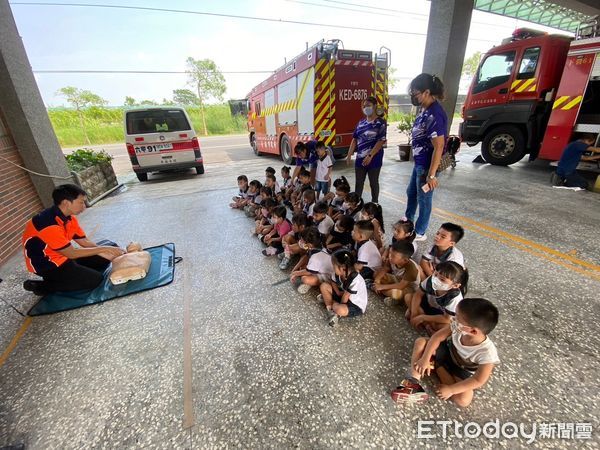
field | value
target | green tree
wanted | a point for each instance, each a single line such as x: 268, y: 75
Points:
x: 209, y: 82
x: 167, y: 102
x: 81, y: 99
x: 130, y: 102
x: 392, y: 79
x: 148, y: 103
x: 471, y: 64
x: 185, y: 97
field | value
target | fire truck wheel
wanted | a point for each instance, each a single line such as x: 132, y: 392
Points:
x: 285, y: 149
x: 503, y: 145
x: 254, y: 146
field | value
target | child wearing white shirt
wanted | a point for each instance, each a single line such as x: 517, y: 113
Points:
x: 461, y: 354
x: 345, y: 295
x: 324, y: 167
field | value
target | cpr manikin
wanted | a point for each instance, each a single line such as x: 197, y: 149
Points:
x: 133, y: 265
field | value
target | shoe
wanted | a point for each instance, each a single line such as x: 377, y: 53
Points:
x: 35, y: 286
x: 320, y: 298
x: 269, y: 251
x: 285, y: 262
x: 420, y: 237
x: 281, y: 255
x: 389, y: 301
x: 409, y: 391
x: 304, y: 288
x: 556, y: 180
x: 260, y: 237
x: 333, y: 320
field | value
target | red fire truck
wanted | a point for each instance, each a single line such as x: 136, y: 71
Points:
x: 532, y: 93
x: 317, y: 95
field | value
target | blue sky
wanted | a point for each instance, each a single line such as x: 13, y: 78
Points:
x: 63, y: 38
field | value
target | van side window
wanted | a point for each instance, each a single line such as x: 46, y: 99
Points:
x: 257, y: 108
x: 494, y: 71
x: 529, y: 63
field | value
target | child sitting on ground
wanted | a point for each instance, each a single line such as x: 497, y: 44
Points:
x: 318, y: 268
x: 296, y: 196
x: 443, y: 248
x: 463, y: 356
x: 264, y: 194
x: 404, y: 230
x: 281, y: 227
x: 307, y: 203
x: 368, y: 258
x: 253, y: 198
x: 353, y: 206
x: 434, y: 303
x: 321, y: 220
x: 264, y: 224
x: 269, y: 171
x: 286, y: 180
x: 342, y: 189
x: 323, y: 172
x: 271, y: 182
x: 373, y: 212
x: 399, y: 275
x: 238, y: 200
x: 340, y: 235
x: 345, y: 294
x: 300, y: 222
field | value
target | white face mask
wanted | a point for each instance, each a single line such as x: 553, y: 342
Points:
x: 456, y: 327
x: 345, y: 205
x: 368, y: 110
x: 437, y: 284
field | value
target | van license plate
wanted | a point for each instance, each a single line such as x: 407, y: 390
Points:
x: 153, y: 148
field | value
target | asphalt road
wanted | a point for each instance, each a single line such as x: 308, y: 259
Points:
x: 216, y: 150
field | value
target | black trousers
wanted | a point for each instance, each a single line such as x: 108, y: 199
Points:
x: 76, y: 274
x: 361, y: 173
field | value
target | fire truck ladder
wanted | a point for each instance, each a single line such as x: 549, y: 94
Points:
x: 382, y: 62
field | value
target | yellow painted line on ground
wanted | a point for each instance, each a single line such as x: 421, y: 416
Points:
x: 15, y: 340
x: 563, y: 259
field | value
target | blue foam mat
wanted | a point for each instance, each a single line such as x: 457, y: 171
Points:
x: 160, y: 273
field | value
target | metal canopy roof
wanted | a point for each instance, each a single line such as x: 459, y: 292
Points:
x: 565, y: 15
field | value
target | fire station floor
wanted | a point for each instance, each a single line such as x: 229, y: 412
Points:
x: 229, y: 355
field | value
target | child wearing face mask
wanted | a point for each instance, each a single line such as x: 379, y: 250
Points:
x: 368, y: 258
x: 281, y: 227
x: 444, y: 248
x: 435, y: 302
x: 404, y: 230
x: 461, y: 354
x: 373, y: 212
x: 321, y: 220
x: 239, y: 200
x: 340, y: 235
x: 342, y: 189
x: 314, y: 268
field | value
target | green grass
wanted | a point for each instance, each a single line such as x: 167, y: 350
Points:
x: 105, y: 125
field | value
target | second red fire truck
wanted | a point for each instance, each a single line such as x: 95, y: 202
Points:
x: 317, y: 95
x: 533, y: 93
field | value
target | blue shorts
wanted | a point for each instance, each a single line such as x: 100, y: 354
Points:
x: 322, y: 186
x: 353, y: 310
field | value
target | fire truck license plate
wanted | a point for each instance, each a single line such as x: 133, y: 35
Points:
x: 153, y: 148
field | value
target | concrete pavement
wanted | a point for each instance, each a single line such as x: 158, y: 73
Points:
x: 257, y: 362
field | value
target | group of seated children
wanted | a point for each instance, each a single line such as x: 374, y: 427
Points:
x: 338, y: 243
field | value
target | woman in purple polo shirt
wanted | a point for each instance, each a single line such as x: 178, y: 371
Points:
x: 368, y: 140
x: 428, y: 140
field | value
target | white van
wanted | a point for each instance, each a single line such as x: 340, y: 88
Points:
x: 159, y: 139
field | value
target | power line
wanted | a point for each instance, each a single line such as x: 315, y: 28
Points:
x: 234, y: 16
x: 341, y: 8
x: 203, y: 13
x: 149, y: 71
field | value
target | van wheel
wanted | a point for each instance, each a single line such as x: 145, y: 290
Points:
x: 142, y: 176
x: 285, y: 149
x: 504, y: 145
x: 200, y: 169
x: 253, y: 145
